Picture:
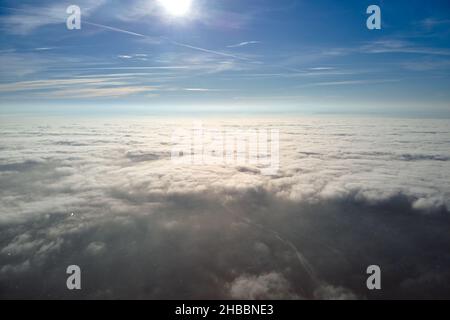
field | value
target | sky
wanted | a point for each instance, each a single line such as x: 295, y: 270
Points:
x: 258, y: 56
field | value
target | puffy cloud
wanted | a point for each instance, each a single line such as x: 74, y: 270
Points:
x: 105, y: 195
x: 95, y: 248
x: 328, y: 292
x: 266, y: 286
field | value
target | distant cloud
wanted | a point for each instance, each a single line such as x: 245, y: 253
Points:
x: 243, y: 44
x: 106, y: 92
x: 349, y: 82
x: 81, y: 88
x: 136, y: 57
x: 400, y: 46
x: 39, y: 84
x: 430, y: 23
x: 388, y: 46
x: 322, y: 68
x: 427, y: 64
x: 44, y: 48
x: 204, y: 89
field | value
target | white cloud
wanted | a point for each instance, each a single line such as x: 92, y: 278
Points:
x: 328, y: 292
x: 263, y: 287
x: 243, y: 44
x: 95, y: 248
x: 349, y: 193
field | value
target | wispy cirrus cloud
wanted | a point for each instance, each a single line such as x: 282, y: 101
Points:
x: 427, y: 65
x: 54, y: 83
x: 204, y: 90
x: 243, y: 44
x: 123, y: 56
x: 100, y: 92
x: 431, y: 23
x: 83, y: 88
x: 401, y: 46
x: 135, y: 57
x: 382, y: 46
x: 349, y: 82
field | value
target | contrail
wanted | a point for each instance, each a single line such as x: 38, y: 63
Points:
x: 204, y: 50
x: 115, y: 29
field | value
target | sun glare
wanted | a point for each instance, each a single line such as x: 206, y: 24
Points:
x: 176, y: 7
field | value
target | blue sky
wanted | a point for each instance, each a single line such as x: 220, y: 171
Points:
x: 226, y: 55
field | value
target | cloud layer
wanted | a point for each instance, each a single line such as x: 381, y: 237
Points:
x: 104, y: 195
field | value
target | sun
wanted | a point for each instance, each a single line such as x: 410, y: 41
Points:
x: 177, y: 8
